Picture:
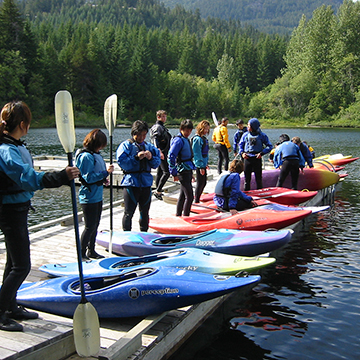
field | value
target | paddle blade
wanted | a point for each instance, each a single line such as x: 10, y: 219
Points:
x: 110, y: 113
x: 64, y: 117
x: 86, y: 330
x: 214, y: 119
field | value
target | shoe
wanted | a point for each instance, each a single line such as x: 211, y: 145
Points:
x: 22, y: 314
x: 85, y: 258
x: 94, y: 255
x: 7, y: 324
x: 158, y: 195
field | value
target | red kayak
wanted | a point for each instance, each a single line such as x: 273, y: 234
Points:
x: 271, y: 216
x: 275, y: 194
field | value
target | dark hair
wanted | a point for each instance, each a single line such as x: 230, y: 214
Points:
x: 224, y: 119
x: 283, y: 138
x: 138, y: 127
x: 12, y: 114
x: 236, y: 165
x: 95, y: 140
x: 186, y: 124
x: 240, y: 121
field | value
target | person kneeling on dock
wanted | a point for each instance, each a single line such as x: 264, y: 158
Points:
x: 228, y: 195
x: 18, y: 181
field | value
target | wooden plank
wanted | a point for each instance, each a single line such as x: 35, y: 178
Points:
x: 131, y: 341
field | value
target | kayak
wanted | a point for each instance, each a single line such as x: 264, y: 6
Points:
x: 138, y: 292
x: 337, y: 159
x: 232, y: 242
x: 184, y: 258
x: 310, y: 179
x: 273, y: 216
x: 279, y: 195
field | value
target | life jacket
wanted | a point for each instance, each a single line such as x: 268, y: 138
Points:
x: 143, y: 161
x: 205, y: 145
x: 7, y: 185
x: 183, y: 152
x: 254, y: 143
x: 98, y: 167
x: 223, y: 191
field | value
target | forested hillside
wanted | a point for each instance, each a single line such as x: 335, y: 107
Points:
x: 155, y: 57
x: 271, y: 16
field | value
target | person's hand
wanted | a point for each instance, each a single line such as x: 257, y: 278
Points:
x: 110, y: 169
x: 202, y: 172
x: 72, y: 172
x: 258, y: 155
x: 141, y: 155
x: 253, y: 203
x: 176, y: 178
x: 244, y: 156
x: 233, y: 211
x: 162, y: 157
x: 148, y: 154
x: 229, y: 149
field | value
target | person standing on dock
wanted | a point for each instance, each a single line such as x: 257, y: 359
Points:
x: 238, y: 135
x: 160, y: 137
x: 220, y: 137
x: 200, y: 147
x: 304, y: 150
x: 288, y: 156
x: 136, y: 158
x: 181, y: 166
x: 18, y: 181
x: 93, y: 177
x: 254, y: 144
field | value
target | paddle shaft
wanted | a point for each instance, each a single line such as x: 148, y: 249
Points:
x: 111, y: 184
x: 210, y: 208
x: 77, y: 234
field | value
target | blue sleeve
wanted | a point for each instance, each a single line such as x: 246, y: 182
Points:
x: 175, y: 147
x: 125, y: 156
x: 242, y: 143
x: 236, y: 140
x: 301, y: 160
x: 277, y: 157
x: 235, y: 191
x: 267, y: 143
x: 155, y: 161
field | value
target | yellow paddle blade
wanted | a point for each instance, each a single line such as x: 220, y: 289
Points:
x: 86, y: 330
x: 64, y: 117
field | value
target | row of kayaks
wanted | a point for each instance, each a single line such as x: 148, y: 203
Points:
x: 192, y: 260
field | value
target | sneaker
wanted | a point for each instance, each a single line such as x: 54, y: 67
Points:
x: 158, y: 195
x: 85, y: 258
x: 7, y: 324
x: 94, y: 255
x: 22, y: 314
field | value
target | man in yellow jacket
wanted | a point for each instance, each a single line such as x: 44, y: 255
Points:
x: 222, y: 144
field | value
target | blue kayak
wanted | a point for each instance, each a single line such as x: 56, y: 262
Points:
x: 138, y: 292
x: 232, y: 242
x: 184, y: 258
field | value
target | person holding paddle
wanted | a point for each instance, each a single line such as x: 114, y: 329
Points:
x: 136, y: 157
x: 93, y: 177
x: 228, y: 195
x: 18, y: 182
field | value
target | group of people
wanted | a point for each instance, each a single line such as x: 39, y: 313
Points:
x: 176, y: 156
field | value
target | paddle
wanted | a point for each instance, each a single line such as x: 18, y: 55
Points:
x: 110, y: 113
x: 215, y: 120
x: 85, y: 321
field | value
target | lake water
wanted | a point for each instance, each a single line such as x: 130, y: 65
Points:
x: 307, y: 304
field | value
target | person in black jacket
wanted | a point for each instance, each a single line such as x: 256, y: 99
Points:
x: 160, y: 137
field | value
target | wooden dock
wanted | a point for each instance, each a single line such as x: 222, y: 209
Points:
x: 153, y: 338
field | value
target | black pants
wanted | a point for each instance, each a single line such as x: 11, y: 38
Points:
x: 223, y: 157
x: 92, y: 215
x: 201, y: 181
x: 289, y: 166
x: 186, y: 196
x: 253, y: 165
x: 13, y: 223
x: 132, y: 197
x: 162, y: 175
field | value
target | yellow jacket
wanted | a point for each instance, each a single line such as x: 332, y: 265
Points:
x: 221, y: 136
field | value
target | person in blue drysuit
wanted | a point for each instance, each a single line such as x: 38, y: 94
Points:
x: 238, y: 135
x: 253, y: 145
x: 228, y: 195
x: 18, y: 181
x: 181, y: 166
x: 136, y: 157
x: 93, y: 177
x: 305, y: 151
x: 289, y: 157
x: 200, y: 147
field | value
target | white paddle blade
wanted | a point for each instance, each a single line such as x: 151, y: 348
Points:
x: 113, y: 109
x: 110, y: 112
x: 214, y: 119
x: 86, y: 330
x: 64, y: 117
